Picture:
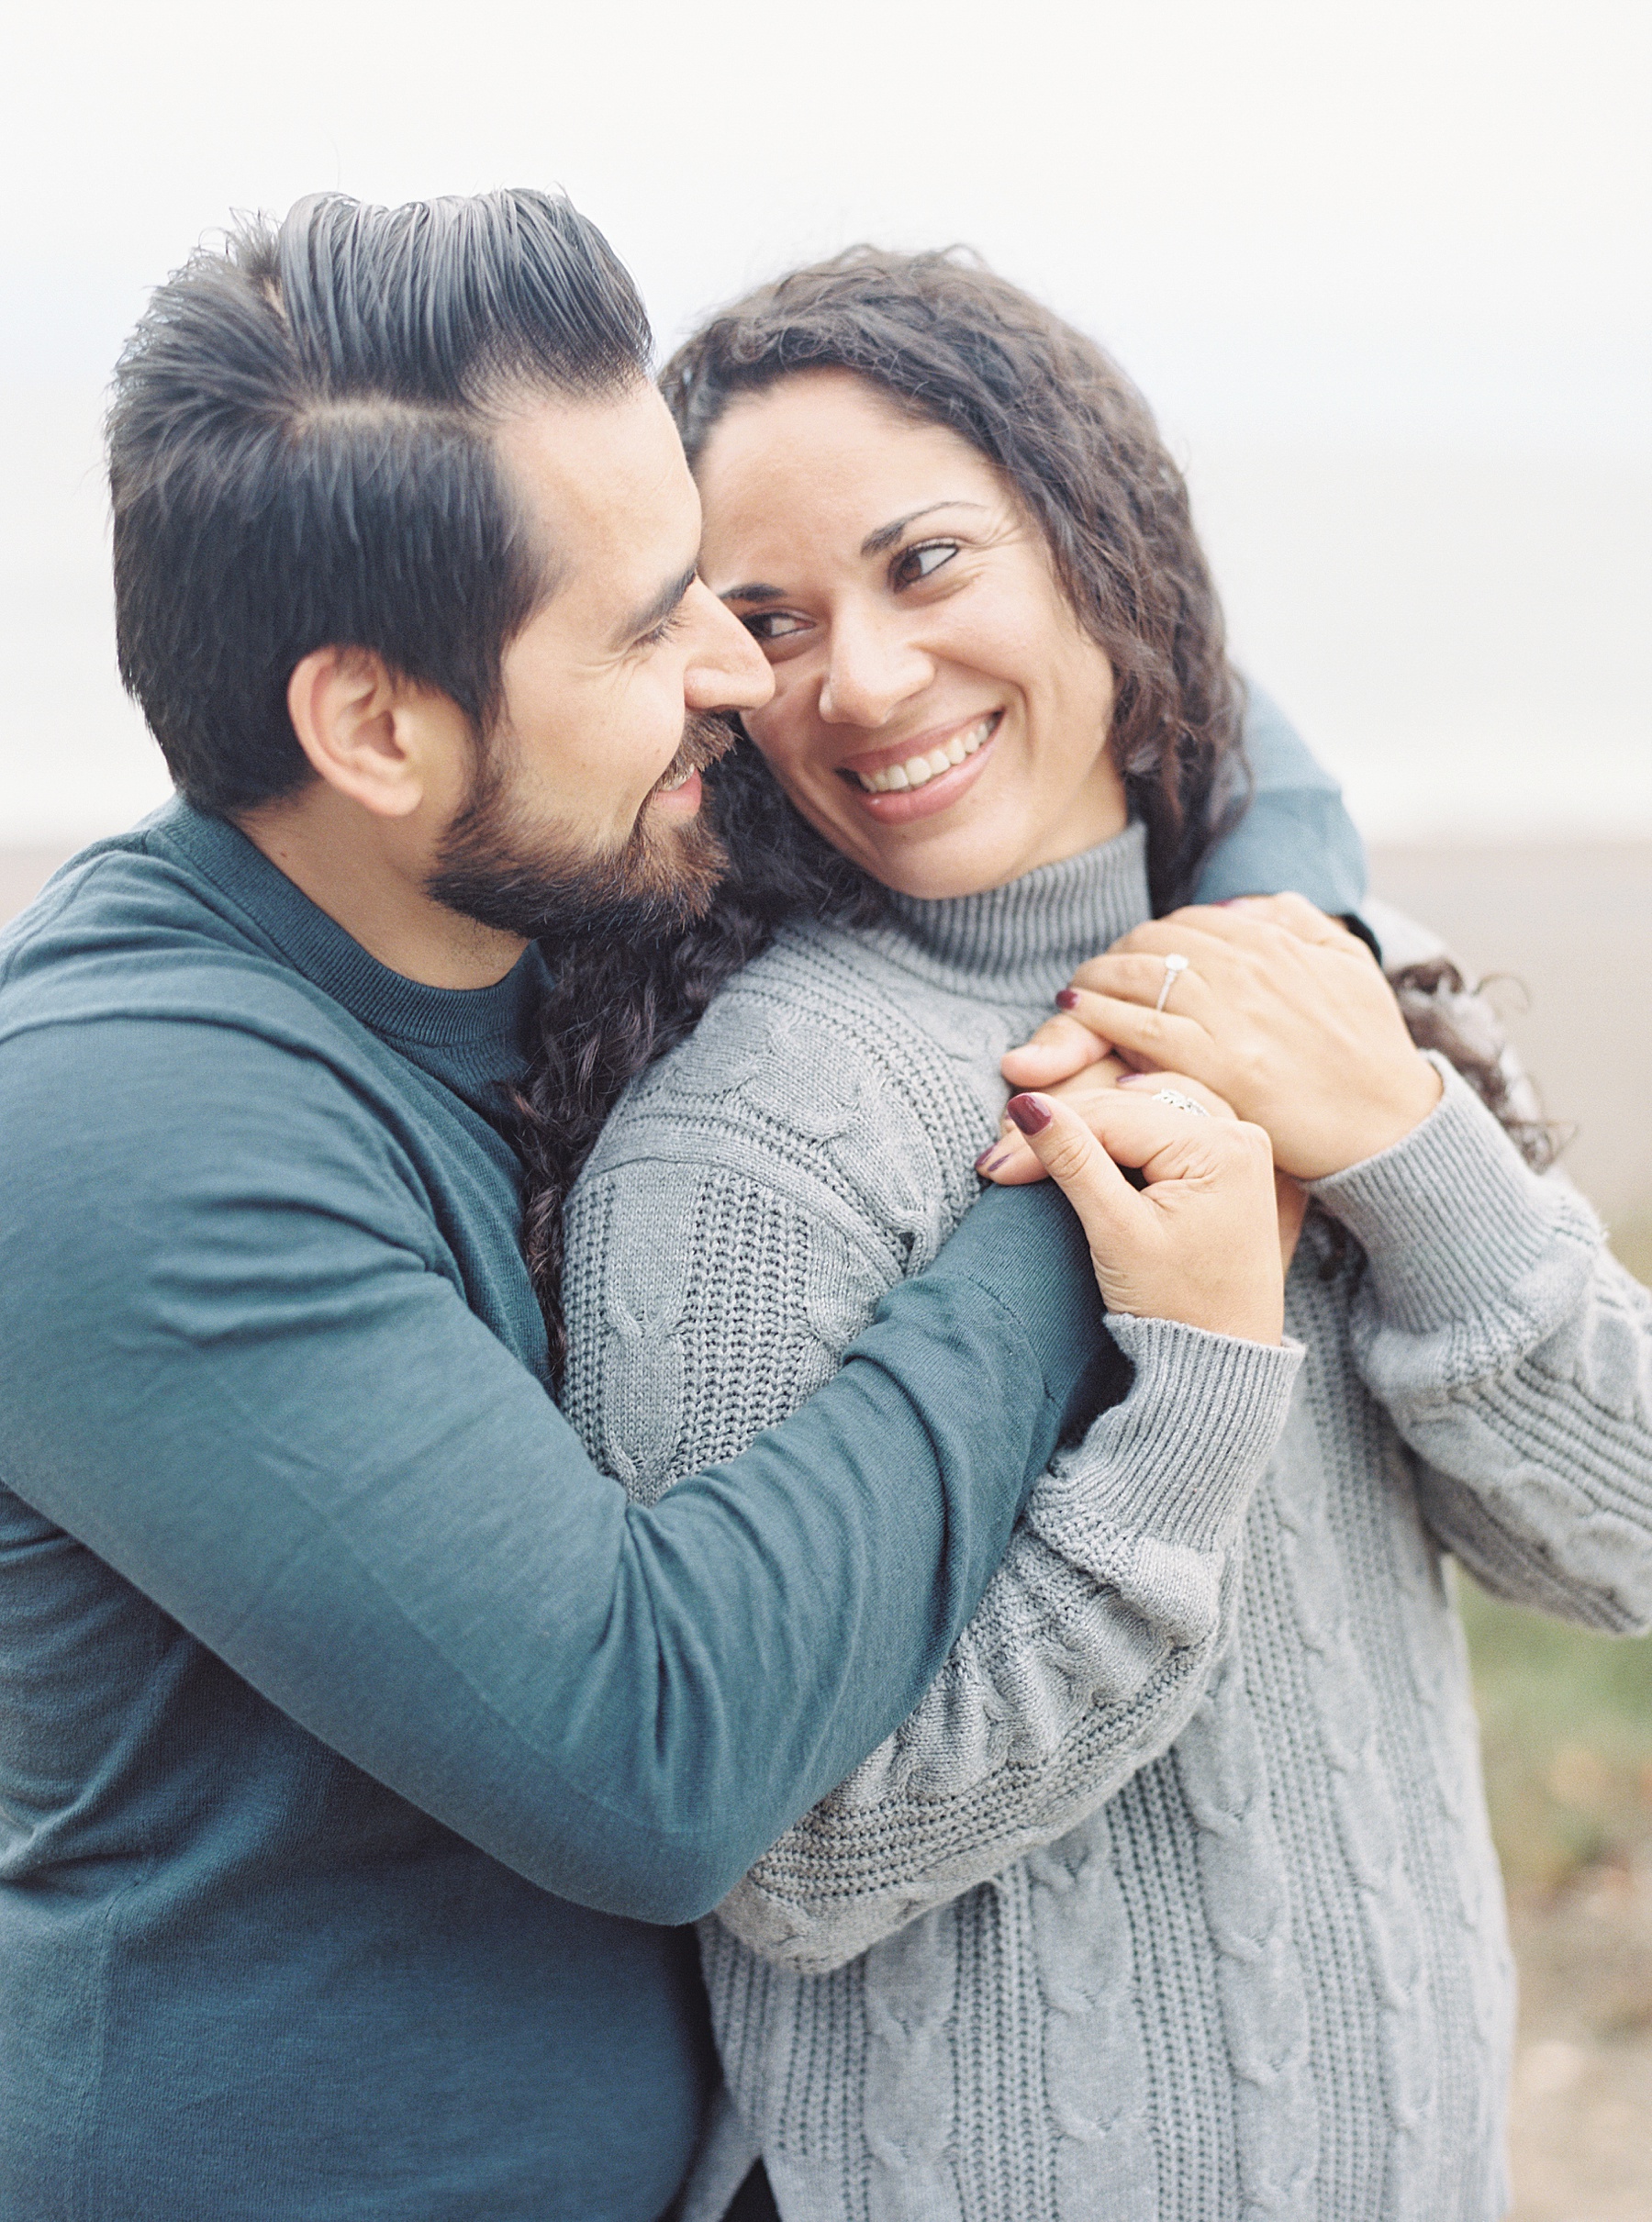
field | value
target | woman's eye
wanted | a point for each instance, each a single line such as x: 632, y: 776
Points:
x: 914, y: 564
x: 773, y: 624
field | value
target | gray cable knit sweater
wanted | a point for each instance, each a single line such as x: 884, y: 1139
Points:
x: 1175, y: 1898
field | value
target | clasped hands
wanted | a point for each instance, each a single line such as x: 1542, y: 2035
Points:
x: 1284, y: 1027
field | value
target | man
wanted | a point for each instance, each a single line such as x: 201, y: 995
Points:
x: 359, y: 1737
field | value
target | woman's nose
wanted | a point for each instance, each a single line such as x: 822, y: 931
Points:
x: 873, y: 666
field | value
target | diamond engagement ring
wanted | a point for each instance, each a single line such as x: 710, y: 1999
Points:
x: 1177, y: 1101
x: 1174, y: 969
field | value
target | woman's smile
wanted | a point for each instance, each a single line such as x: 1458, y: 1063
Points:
x: 939, y: 713
x: 919, y: 779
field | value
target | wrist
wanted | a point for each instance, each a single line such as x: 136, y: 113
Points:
x: 1241, y: 1316
x: 1386, y: 1122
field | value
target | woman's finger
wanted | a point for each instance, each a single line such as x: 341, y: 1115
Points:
x: 1152, y: 1040
x: 1066, y: 1150
x: 1179, y: 985
x: 1008, y: 1161
x: 1183, y: 933
x: 1253, y: 921
x: 1156, y: 1085
x: 1200, y: 1242
x: 1062, y: 1047
x: 1296, y: 914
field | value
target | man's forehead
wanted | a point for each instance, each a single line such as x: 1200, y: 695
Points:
x: 603, y: 478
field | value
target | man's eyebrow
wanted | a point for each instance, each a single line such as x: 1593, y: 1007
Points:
x: 660, y: 608
x: 875, y: 544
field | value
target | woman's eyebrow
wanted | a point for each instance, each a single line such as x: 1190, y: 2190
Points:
x: 886, y: 536
x: 757, y: 592
x: 875, y: 544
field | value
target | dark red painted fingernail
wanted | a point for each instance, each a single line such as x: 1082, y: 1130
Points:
x: 1069, y: 999
x: 991, y: 1157
x: 1031, y: 1114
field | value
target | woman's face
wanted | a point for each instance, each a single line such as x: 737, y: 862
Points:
x: 937, y: 713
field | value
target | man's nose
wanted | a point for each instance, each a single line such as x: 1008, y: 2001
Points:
x: 873, y: 665
x: 728, y: 670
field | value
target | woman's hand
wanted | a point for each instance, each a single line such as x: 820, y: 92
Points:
x: 1198, y: 1242
x: 1279, y: 1008
x: 1009, y: 1163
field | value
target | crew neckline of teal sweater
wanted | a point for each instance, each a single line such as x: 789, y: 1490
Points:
x: 400, y: 1009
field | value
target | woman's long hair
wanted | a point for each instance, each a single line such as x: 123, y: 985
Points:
x: 950, y: 342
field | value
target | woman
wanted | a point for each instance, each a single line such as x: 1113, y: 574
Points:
x: 1176, y: 1897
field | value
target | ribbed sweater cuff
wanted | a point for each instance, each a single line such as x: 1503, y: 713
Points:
x: 1179, y: 1459
x: 1451, y: 1218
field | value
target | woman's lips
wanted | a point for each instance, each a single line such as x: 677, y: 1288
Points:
x: 938, y: 790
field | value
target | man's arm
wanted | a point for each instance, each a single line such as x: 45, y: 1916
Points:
x: 1297, y: 832
x: 238, y: 1372
x: 1097, y: 1635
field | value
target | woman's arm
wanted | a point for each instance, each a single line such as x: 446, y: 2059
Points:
x: 1096, y: 1634
x: 1092, y: 1646
x: 1515, y: 1358
x: 1513, y: 1355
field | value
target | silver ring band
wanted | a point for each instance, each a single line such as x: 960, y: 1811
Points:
x: 1177, y: 1101
x: 1174, y: 969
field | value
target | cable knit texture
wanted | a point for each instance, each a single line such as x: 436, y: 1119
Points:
x: 1175, y: 1898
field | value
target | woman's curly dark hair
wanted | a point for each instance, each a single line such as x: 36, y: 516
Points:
x: 1446, y: 1013
x: 950, y: 342
x: 614, y: 1007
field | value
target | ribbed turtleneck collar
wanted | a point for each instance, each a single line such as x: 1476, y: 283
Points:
x: 1027, y: 937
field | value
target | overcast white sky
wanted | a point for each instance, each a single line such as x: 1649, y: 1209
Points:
x: 1385, y: 273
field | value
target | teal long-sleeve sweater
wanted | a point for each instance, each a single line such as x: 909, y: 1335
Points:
x: 359, y: 1737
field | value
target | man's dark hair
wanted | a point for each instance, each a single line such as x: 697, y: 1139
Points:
x: 301, y: 456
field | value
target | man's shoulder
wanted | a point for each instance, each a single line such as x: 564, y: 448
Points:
x: 139, y: 1002
x: 127, y: 933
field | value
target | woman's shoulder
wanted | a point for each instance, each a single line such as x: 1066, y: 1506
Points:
x: 817, y: 1030
x: 813, y: 1073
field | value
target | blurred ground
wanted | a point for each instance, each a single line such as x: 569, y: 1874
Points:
x: 1567, y: 1717
x: 1567, y: 1734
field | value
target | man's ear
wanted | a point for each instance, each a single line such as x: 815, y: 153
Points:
x: 367, y: 733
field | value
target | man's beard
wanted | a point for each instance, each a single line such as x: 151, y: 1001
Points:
x: 528, y: 881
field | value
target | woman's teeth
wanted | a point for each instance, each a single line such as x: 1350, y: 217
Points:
x: 918, y: 771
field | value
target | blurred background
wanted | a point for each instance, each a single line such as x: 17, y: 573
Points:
x: 1387, y: 274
